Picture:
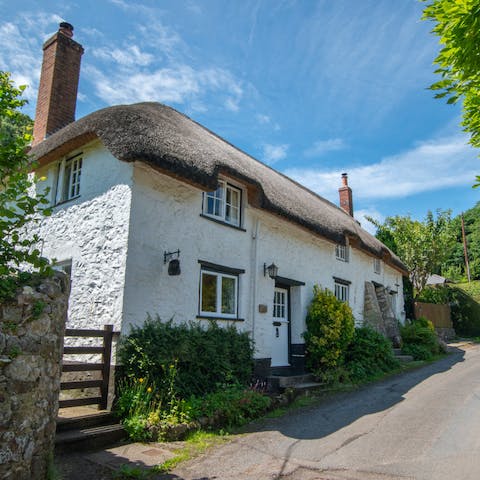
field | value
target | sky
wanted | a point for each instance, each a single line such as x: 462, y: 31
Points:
x: 312, y: 88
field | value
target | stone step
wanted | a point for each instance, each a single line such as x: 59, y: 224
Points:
x: 89, y: 438
x: 397, y: 351
x: 404, y: 358
x: 307, y: 386
x: 286, y: 381
x: 85, y: 421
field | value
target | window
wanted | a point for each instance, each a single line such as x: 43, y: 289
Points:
x: 223, y: 204
x: 341, y: 252
x: 342, y: 290
x: 218, y: 294
x: 377, y: 265
x: 68, y: 179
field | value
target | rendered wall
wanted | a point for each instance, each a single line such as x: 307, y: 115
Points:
x: 92, y: 232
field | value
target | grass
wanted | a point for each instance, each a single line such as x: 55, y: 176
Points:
x: 472, y: 288
x: 193, y: 446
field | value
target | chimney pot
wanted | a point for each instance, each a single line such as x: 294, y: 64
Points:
x: 345, y: 179
x: 66, y: 28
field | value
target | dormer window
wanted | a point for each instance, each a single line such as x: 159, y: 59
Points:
x: 68, y: 179
x: 377, y: 265
x: 223, y: 204
x: 341, y: 252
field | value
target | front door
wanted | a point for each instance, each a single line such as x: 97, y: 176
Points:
x: 280, y: 328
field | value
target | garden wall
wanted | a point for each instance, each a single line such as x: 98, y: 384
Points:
x: 439, y: 315
x: 31, y: 344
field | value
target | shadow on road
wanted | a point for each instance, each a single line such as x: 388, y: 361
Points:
x: 316, y: 421
x: 342, y: 409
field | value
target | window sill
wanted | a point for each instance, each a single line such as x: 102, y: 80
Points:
x: 63, y: 202
x: 218, y: 318
x: 221, y: 222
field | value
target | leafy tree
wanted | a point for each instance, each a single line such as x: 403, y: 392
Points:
x: 422, y: 246
x: 18, y: 209
x: 457, y: 23
x: 454, y: 266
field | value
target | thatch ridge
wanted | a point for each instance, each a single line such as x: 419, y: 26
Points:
x: 177, y: 145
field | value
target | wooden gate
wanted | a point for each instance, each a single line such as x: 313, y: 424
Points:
x: 105, y: 350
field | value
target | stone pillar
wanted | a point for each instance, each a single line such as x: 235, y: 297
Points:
x: 32, y: 328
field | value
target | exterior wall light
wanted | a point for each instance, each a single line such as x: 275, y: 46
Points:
x: 173, y: 263
x: 271, y: 270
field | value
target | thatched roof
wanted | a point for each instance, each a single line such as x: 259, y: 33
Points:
x: 176, y: 145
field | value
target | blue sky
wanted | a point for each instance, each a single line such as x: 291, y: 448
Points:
x: 313, y: 88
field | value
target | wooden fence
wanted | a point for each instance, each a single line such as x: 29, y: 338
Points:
x: 105, y: 350
x: 439, y: 315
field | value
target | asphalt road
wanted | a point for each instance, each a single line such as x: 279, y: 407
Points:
x: 424, y: 424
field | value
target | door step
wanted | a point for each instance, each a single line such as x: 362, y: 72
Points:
x: 298, y: 382
x: 404, y: 358
x: 88, y: 432
x: 89, y: 438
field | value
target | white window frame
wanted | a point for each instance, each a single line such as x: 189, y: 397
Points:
x: 377, y: 266
x: 341, y: 252
x: 218, y: 308
x: 342, y: 291
x: 68, y: 185
x: 220, y: 195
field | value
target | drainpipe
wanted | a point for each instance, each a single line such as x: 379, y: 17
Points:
x: 254, y: 273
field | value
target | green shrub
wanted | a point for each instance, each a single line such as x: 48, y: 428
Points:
x: 233, y: 405
x: 330, y: 328
x: 204, y: 357
x: 419, y: 339
x: 369, y: 355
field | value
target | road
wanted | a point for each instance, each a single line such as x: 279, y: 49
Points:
x: 422, y: 425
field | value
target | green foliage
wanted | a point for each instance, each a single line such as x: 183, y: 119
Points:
x: 465, y: 310
x: 330, y: 328
x: 18, y: 209
x: 369, y: 355
x: 204, y: 357
x: 233, y: 405
x: 136, y: 399
x: 457, y: 25
x: 454, y: 266
x: 472, y: 288
x: 419, y: 339
x: 422, y: 246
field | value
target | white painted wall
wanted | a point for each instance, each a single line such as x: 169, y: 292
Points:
x: 92, y: 231
x: 166, y: 216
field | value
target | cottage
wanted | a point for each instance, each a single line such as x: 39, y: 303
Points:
x: 154, y: 213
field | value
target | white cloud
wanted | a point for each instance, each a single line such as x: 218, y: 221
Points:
x: 321, y: 147
x: 130, y: 56
x: 430, y: 165
x: 274, y: 153
x: 262, y: 119
x: 178, y: 84
x: 361, y: 215
x: 20, y: 51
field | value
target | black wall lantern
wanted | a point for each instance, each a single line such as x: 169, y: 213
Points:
x: 173, y: 263
x: 271, y: 270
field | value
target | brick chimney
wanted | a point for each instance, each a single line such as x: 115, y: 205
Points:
x: 57, y: 93
x: 345, y: 193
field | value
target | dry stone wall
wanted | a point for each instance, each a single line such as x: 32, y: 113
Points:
x: 32, y: 328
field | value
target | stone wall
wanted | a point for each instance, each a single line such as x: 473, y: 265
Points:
x: 31, y: 342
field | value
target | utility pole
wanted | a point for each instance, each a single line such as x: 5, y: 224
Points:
x: 465, y: 251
